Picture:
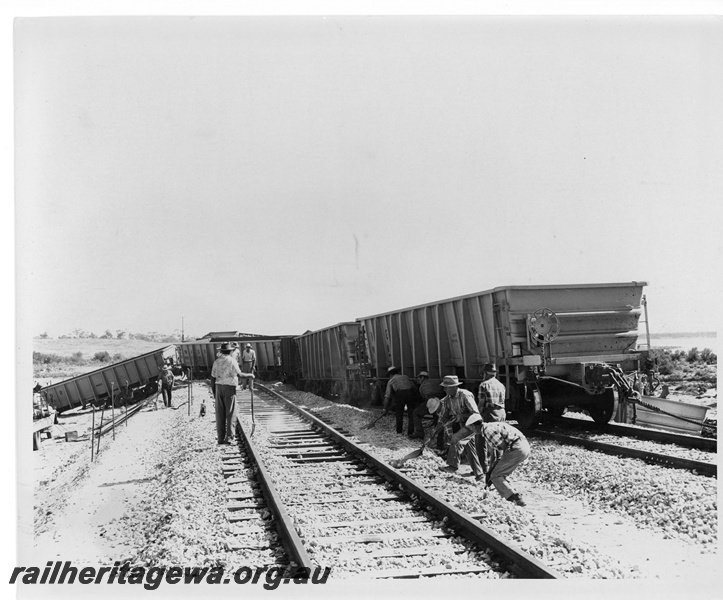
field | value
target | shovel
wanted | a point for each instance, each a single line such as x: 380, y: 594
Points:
x: 374, y: 421
x: 397, y: 463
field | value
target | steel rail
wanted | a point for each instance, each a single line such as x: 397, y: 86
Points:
x: 704, y: 468
x: 656, y: 435
x: 122, y: 418
x: 284, y: 524
x: 523, y: 564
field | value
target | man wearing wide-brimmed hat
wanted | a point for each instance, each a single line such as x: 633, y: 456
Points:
x: 403, y: 392
x: 224, y: 374
x: 457, y: 406
x: 491, y: 396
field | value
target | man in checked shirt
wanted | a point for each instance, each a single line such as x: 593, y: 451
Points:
x: 491, y: 396
x: 457, y: 406
x: 504, y: 449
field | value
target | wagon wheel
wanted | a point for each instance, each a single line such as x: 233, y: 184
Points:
x: 337, y: 390
x: 529, y: 403
x: 605, y: 406
x: 555, y: 411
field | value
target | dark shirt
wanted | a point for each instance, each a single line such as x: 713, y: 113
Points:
x: 397, y: 383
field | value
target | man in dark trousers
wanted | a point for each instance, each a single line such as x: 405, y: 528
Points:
x: 248, y: 362
x: 457, y: 406
x: 224, y: 376
x: 491, y: 396
x: 165, y: 380
x: 504, y: 448
x: 404, y: 393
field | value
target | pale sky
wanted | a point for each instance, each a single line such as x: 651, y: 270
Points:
x: 279, y: 174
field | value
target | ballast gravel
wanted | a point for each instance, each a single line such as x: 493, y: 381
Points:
x: 316, y: 494
x: 181, y: 519
x: 178, y: 516
x: 680, y: 504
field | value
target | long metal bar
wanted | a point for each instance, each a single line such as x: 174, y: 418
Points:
x: 689, y: 441
x: 112, y: 405
x: 524, y: 564
x: 285, y: 525
x: 122, y: 419
x: 100, y: 429
x: 644, y: 302
x: 704, y: 468
x: 92, y: 439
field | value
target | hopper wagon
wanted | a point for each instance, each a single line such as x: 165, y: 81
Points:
x: 131, y: 378
x: 554, y: 346
x: 199, y: 355
x: 327, y: 362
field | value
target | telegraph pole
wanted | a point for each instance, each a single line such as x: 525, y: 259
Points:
x: 183, y: 337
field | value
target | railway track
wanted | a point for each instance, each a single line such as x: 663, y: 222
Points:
x: 618, y: 444
x: 686, y: 441
x: 249, y: 508
x: 337, y: 506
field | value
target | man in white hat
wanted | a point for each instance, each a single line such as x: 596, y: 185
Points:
x: 502, y: 440
x: 491, y: 396
x: 248, y: 362
x: 224, y: 376
x: 430, y: 394
x: 457, y: 406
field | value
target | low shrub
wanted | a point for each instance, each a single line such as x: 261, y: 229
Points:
x: 40, y: 358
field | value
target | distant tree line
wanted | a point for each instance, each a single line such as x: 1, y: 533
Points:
x: 686, y: 364
x: 120, y: 334
x: 43, y: 358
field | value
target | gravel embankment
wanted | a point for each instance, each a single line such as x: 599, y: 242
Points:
x: 676, y: 501
x: 542, y: 540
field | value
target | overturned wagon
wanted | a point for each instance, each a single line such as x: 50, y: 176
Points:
x: 554, y: 346
x: 129, y: 378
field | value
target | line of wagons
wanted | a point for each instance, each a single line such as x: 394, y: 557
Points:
x: 554, y: 346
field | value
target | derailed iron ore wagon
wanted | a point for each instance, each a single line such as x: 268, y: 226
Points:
x: 554, y: 346
x: 327, y: 362
x: 122, y: 382
x: 199, y: 355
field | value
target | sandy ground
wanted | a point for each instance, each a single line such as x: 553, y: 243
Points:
x: 81, y: 507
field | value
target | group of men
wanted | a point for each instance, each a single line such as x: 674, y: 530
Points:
x: 477, y: 428
x: 225, y: 374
